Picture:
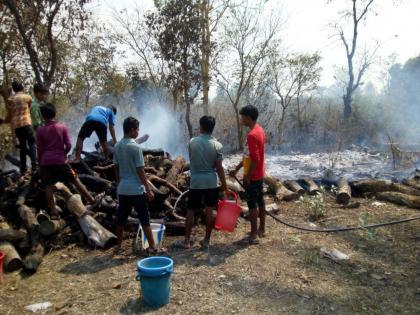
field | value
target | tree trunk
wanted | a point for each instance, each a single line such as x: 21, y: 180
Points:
x: 12, y: 260
x: 344, y: 191
x: 205, y: 54
x: 188, y: 113
x: 238, y: 125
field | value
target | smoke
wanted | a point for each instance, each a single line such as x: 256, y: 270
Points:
x: 164, y: 126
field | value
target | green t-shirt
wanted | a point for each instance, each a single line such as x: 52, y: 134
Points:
x: 36, y: 117
x: 204, y: 151
x: 129, y: 156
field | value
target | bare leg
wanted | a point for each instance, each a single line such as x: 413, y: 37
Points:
x: 119, y: 231
x: 83, y: 191
x: 253, y: 214
x: 149, y: 235
x: 262, y: 215
x: 104, y: 145
x: 209, y: 226
x: 188, y: 226
x: 79, y: 148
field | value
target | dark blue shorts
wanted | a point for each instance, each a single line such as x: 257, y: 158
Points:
x: 126, y: 203
x: 254, y: 194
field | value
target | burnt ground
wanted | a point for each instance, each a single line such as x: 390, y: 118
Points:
x: 285, y: 274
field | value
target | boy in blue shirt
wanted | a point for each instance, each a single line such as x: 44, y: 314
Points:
x: 133, y: 187
x: 97, y: 120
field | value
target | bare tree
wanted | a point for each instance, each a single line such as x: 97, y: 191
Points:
x: 357, y: 14
x: 248, y: 40
x: 290, y: 77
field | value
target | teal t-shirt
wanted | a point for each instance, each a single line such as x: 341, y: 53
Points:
x: 129, y: 156
x: 204, y: 151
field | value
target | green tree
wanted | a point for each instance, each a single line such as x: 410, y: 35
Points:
x: 176, y: 25
x: 41, y: 25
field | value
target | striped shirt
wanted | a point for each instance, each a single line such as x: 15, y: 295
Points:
x: 19, y: 107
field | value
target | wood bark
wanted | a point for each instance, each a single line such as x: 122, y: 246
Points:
x: 399, y: 199
x: 412, y: 183
x: 175, y: 170
x: 11, y: 235
x: 50, y: 227
x: 294, y: 186
x: 312, y: 187
x: 12, y: 260
x: 376, y: 186
x: 277, y: 189
x: 95, y: 233
x: 344, y: 191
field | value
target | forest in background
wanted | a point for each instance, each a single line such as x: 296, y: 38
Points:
x: 186, y: 58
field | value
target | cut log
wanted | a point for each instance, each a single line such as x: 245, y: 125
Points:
x: 36, y: 254
x: 50, y: 227
x: 95, y: 183
x: 12, y: 260
x: 294, y: 186
x: 96, y: 233
x: 278, y: 190
x: 399, y: 199
x: 311, y: 186
x: 163, y: 182
x: 344, y: 191
x: 412, y: 183
x: 11, y: 235
x: 234, y: 186
x: 175, y: 170
x: 155, y: 152
x: 376, y: 186
x: 28, y: 217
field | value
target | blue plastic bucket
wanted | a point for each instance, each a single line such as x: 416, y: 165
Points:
x: 154, y: 274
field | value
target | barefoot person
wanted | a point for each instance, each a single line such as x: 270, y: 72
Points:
x: 98, y: 119
x: 254, y: 171
x: 19, y: 108
x: 133, y: 188
x: 53, y: 144
x: 205, y: 166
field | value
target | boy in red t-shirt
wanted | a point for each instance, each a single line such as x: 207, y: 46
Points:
x: 254, y: 171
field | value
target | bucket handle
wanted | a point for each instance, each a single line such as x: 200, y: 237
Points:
x: 235, y: 195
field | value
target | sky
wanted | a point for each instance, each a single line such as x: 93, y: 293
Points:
x: 395, y: 27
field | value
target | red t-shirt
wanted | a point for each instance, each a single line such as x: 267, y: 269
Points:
x: 256, y: 146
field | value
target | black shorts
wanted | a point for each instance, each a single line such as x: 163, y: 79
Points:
x: 127, y: 203
x: 91, y: 126
x: 51, y: 174
x: 203, y: 198
x: 254, y: 194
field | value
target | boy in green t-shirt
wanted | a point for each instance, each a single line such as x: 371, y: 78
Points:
x: 40, y: 93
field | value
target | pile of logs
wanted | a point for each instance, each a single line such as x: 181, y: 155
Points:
x: 27, y: 232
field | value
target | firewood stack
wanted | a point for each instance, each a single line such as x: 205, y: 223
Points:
x: 27, y: 231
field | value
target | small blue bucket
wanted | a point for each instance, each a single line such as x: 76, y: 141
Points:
x: 154, y: 274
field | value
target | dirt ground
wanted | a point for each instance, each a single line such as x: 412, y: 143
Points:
x: 285, y: 274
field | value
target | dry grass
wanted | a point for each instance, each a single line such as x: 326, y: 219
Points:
x: 283, y: 275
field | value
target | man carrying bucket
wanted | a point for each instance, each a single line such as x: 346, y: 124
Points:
x: 205, y: 166
x: 133, y: 187
x: 254, y: 172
